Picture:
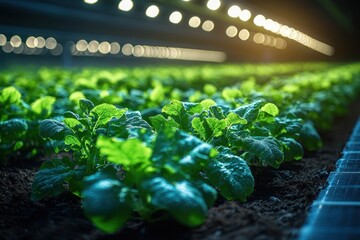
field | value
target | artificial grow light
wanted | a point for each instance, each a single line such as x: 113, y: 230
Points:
x: 194, y: 22
x: 125, y: 5
x: 213, y: 4
x: 90, y: 1
x: 152, y: 11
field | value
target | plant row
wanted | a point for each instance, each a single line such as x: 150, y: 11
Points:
x: 174, y: 154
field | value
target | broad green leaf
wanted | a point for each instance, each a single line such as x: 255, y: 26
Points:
x: 207, y: 103
x: 174, y: 108
x: 181, y: 150
x: 217, y: 126
x: 10, y: 95
x: 231, y: 176
x: 184, y: 202
x: 209, y: 193
x: 104, y: 112
x: 198, y: 126
x: 105, y: 202
x: 292, y: 149
x: 217, y: 112
x: 76, y: 97
x: 72, y: 140
x: 159, y: 122
x: 233, y: 118
x: 134, y: 120
x: 51, y: 178
x: 69, y: 114
x: 157, y: 95
x: 12, y: 129
x: 309, y: 137
x: 50, y: 128
x: 43, y: 106
x: 209, y: 89
x: 74, y: 124
x: 249, y: 111
x: 132, y: 154
x: 267, y: 149
x: 177, y: 111
x: 271, y: 109
x: 86, y: 105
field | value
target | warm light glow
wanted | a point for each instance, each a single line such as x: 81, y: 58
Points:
x: 50, y: 43
x: 138, y: 51
x: 213, y: 4
x: 40, y: 42
x: 244, y: 34
x: 90, y: 1
x: 2, y: 39
x: 245, y: 15
x: 175, y: 17
x: 31, y: 42
x: 194, y: 22
x: 208, y: 26
x: 231, y: 31
x: 104, y: 47
x: 114, y: 48
x: 259, y: 38
x: 259, y: 20
x: 81, y: 45
x: 15, y: 41
x: 234, y: 11
x: 19, y: 49
x: 58, y: 50
x: 127, y: 49
x: 125, y: 5
x: 7, y: 48
x: 152, y: 11
x: 93, y: 46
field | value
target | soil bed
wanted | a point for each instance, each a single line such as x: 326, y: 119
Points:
x: 276, y: 210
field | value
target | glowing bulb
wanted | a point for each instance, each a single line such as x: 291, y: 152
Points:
x: 208, y: 26
x: 194, y: 22
x: 114, y: 48
x: 244, y: 34
x: 152, y: 11
x: 245, y: 15
x: 127, y: 49
x: 50, y: 43
x: 234, y: 11
x: 2, y: 39
x: 40, y: 42
x: 31, y: 42
x: 15, y: 41
x: 175, y: 17
x: 231, y: 31
x: 213, y: 4
x: 125, y: 5
x: 93, y: 46
x: 259, y: 20
x: 104, y: 47
x: 90, y: 1
x: 8, y: 48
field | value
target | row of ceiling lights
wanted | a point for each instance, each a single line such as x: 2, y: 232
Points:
x: 31, y: 46
x: 39, y: 45
x: 235, y: 11
x: 94, y: 48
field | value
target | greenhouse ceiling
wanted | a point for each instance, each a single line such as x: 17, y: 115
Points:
x: 250, y: 30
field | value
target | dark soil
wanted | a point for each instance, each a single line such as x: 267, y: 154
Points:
x: 276, y: 210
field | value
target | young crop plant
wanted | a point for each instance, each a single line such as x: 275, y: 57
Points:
x: 19, y: 122
x: 120, y: 167
x: 253, y: 131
